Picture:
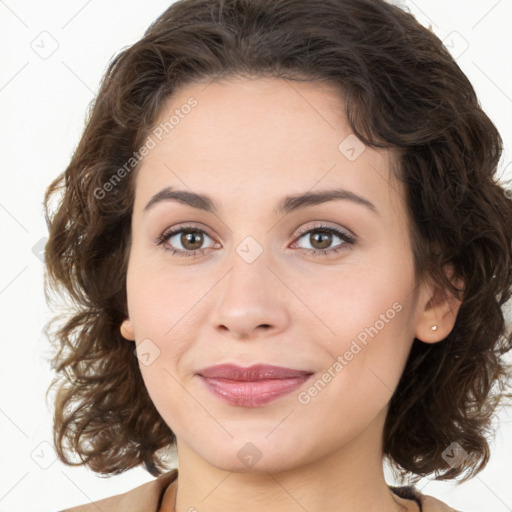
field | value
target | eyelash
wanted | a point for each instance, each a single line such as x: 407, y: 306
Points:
x: 347, y: 239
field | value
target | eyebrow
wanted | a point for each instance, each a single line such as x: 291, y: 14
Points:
x: 286, y: 205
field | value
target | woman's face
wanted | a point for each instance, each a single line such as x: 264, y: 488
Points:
x: 325, y: 286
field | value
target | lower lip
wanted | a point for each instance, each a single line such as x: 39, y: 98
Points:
x: 254, y: 393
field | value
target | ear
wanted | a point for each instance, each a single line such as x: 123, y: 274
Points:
x: 438, y: 309
x: 127, y: 330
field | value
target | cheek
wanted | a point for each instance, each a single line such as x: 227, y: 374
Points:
x: 365, y: 360
x: 366, y: 327
x: 352, y: 299
x: 167, y: 392
x: 161, y: 308
x: 161, y: 301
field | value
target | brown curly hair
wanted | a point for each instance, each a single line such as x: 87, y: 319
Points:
x: 401, y: 90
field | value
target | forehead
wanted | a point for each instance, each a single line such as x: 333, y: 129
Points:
x: 260, y: 136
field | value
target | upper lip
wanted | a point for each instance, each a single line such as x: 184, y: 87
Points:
x: 250, y: 373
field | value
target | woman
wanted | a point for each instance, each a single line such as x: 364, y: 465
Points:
x: 289, y: 254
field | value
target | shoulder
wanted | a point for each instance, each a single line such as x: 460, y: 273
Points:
x: 431, y: 504
x: 144, y: 498
x: 428, y: 503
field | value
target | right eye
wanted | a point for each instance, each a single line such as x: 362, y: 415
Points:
x: 190, y: 238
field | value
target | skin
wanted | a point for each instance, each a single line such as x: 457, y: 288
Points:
x: 247, y: 144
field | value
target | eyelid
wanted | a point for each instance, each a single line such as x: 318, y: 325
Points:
x: 167, y: 232
x: 302, y: 230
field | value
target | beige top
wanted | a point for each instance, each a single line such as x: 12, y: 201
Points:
x: 149, y: 497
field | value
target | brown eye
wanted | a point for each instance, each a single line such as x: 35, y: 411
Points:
x: 325, y: 240
x: 320, y: 239
x: 185, y: 241
x: 191, y: 240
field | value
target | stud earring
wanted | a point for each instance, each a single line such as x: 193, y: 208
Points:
x: 434, y: 327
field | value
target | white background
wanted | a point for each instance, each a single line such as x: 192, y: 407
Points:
x: 43, y: 103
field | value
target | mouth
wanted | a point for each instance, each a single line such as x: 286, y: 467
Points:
x: 251, y: 386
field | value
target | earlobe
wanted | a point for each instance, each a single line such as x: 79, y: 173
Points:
x: 127, y: 330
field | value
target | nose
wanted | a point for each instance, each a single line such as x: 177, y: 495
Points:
x: 251, y: 300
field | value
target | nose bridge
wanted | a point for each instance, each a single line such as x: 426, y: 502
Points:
x: 251, y: 296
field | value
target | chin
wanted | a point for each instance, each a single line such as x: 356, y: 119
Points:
x: 271, y: 464
x: 253, y: 454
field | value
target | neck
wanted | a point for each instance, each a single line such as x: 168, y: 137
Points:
x: 350, y: 479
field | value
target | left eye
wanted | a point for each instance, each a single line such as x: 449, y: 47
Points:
x: 321, y: 238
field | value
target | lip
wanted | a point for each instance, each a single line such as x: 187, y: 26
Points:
x: 251, y: 386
